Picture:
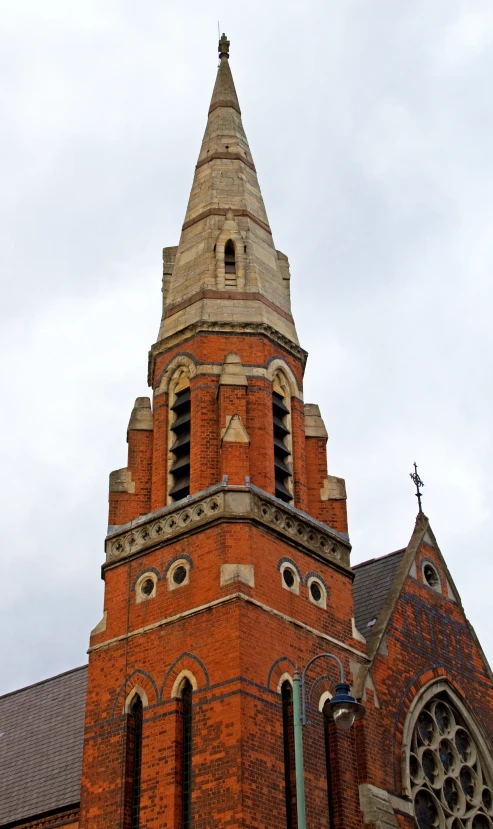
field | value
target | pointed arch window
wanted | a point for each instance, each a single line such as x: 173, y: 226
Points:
x: 289, y: 765
x: 134, y: 763
x: 180, y: 417
x: 229, y: 257
x: 329, y: 729
x: 186, y: 771
x: 281, y: 416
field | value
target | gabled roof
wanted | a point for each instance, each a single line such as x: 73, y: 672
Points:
x: 372, y: 582
x: 41, y: 737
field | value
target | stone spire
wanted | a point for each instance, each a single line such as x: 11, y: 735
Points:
x: 225, y: 220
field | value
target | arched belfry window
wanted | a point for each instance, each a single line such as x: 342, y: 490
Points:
x: 281, y: 415
x: 179, y: 440
x: 134, y: 762
x: 288, y: 746
x: 450, y: 776
x: 229, y: 257
x: 186, y: 771
x: 229, y: 264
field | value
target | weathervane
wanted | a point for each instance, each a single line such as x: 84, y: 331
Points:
x: 419, y: 484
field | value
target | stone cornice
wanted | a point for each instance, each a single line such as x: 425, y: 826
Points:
x: 227, y: 503
x: 226, y: 103
x: 222, y: 211
x: 208, y: 326
x: 227, y: 157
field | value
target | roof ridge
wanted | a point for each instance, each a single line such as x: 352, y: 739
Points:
x: 44, y: 681
x: 378, y: 558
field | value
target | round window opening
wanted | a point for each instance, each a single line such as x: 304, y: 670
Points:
x: 288, y: 577
x: 315, y: 591
x: 431, y: 576
x: 180, y: 574
x: 451, y: 786
x: 147, y: 587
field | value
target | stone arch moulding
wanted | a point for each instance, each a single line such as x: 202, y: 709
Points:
x: 276, y: 365
x: 140, y: 682
x: 186, y: 662
x: 230, y: 230
x: 285, y: 677
x: 186, y: 361
x: 427, y: 692
x: 180, y: 679
x: 319, y: 691
x: 182, y: 557
x: 291, y: 563
x: 283, y: 668
x: 137, y: 690
x: 143, y: 573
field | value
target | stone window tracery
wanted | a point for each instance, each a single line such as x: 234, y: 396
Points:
x: 451, y: 786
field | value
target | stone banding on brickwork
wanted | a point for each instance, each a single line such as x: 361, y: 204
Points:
x: 209, y: 293
x: 222, y: 211
x: 213, y: 326
x: 230, y: 504
x: 229, y: 156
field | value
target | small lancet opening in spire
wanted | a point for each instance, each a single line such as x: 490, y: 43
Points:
x: 229, y: 257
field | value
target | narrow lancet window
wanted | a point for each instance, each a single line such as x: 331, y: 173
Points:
x: 289, y: 767
x: 229, y: 257
x: 186, y: 697
x: 282, y: 441
x: 134, y: 761
x: 179, y: 469
x: 328, y: 769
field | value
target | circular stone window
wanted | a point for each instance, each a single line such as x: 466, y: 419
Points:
x: 288, y: 577
x: 147, y: 587
x: 431, y: 576
x: 316, y: 592
x: 180, y: 574
x: 451, y: 786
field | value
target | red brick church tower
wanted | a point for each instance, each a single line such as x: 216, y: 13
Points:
x: 227, y: 566
x: 227, y: 558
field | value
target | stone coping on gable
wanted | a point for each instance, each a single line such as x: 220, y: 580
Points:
x: 227, y: 503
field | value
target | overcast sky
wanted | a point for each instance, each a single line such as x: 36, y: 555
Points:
x: 371, y: 125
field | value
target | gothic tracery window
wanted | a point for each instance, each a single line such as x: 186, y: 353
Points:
x: 450, y: 784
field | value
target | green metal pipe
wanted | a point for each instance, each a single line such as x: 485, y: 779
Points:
x: 298, y: 751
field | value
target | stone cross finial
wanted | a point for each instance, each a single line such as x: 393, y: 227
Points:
x: 223, y: 47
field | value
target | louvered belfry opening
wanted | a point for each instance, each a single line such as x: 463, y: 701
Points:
x: 229, y: 257
x: 180, y: 446
x: 282, y: 454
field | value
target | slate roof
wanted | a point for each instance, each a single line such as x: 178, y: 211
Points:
x: 41, y: 735
x: 372, y: 582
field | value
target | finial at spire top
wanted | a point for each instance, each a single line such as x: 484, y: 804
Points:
x: 223, y: 47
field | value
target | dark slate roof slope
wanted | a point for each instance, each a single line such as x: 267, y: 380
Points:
x: 372, y: 582
x: 41, y: 736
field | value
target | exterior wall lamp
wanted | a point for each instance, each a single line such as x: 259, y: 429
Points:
x: 343, y: 708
